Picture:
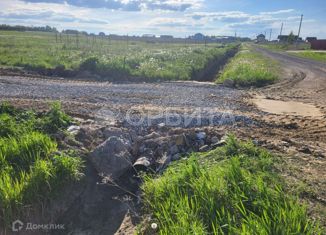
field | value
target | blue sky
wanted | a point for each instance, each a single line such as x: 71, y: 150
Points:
x: 175, y: 17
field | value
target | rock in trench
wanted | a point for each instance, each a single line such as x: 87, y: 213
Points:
x: 112, y: 157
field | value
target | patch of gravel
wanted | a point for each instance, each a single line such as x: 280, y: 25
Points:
x: 177, y: 95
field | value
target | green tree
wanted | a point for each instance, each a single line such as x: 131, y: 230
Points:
x: 291, y: 38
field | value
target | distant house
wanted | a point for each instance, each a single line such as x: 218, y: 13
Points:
x: 310, y: 39
x: 286, y: 38
x: 198, y: 36
x: 166, y: 36
x: 70, y: 31
x: 261, y: 38
x: 148, y: 36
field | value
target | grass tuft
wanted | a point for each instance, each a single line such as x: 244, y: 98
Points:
x: 318, y: 56
x: 55, y: 119
x: 238, y: 194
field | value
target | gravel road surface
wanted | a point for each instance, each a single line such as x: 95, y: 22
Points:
x: 171, y: 94
x: 309, y: 80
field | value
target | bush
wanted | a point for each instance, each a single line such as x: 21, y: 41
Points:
x: 89, y: 64
x: 6, y: 108
x: 8, y: 126
x: 117, y: 68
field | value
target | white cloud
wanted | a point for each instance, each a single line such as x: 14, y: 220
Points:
x: 158, y: 19
x: 129, y: 5
x: 173, y: 22
x: 277, y: 12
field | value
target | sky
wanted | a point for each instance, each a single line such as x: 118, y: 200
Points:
x: 179, y: 18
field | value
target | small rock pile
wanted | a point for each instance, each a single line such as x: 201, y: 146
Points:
x: 123, y: 149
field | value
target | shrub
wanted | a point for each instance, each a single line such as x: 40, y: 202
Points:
x: 118, y: 67
x: 5, y: 107
x: 8, y: 126
x: 89, y: 64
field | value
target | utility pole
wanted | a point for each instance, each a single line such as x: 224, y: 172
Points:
x: 300, y: 26
x: 270, y: 35
x: 281, y: 29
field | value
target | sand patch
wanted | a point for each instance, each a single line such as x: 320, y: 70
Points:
x: 287, y: 107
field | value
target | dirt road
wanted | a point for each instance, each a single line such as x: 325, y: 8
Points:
x: 305, y: 79
x: 166, y: 94
x: 92, y: 98
x: 300, y: 138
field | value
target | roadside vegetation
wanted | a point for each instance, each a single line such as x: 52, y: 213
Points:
x: 285, y: 46
x: 234, y: 189
x: 300, y: 50
x: 31, y: 168
x: 67, y: 55
x: 318, y: 56
x: 249, y: 68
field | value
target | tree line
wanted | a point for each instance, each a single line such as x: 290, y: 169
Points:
x: 28, y: 28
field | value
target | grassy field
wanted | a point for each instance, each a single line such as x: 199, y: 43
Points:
x: 302, y: 50
x: 231, y: 190
x: 31, y: 169
x: 249, y: 68
x: 43, y: 51
x: 318, y: 56
x: 285, y: 46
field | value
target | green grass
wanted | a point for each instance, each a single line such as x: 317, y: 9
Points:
x: 232, y: 190
x: 14, y: 122
x: 108, y: 58
x: 30, y: 171
x: 249, y: 68
x: 285, y: 46
x: 318, y: 56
